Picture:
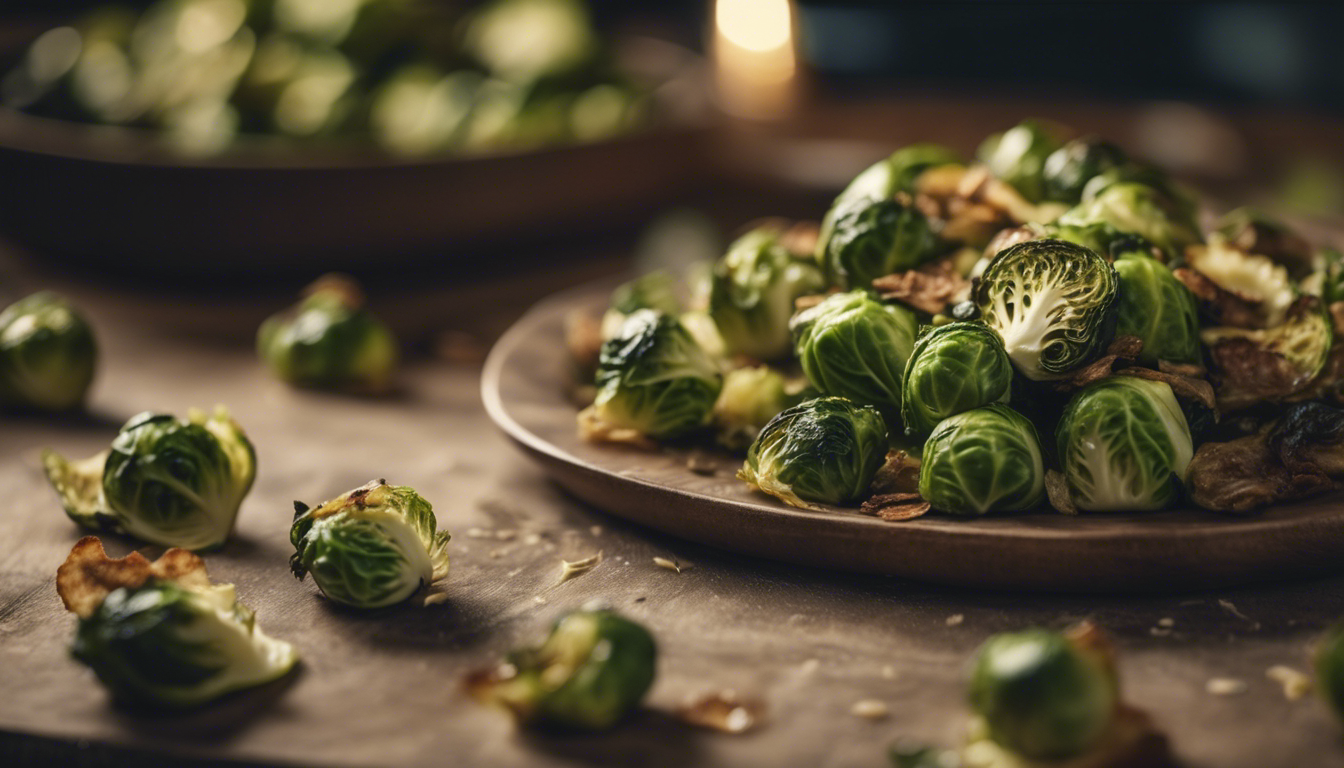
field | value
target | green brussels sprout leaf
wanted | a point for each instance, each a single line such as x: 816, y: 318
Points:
x: 752, y: 293
x: 1157, y: 309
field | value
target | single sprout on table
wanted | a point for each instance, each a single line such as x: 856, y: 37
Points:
x: 330, y: 341
x: 1156, y: 308
x: 1053, y: 304
x: 852, y: 345
x: 1068, y: 169
x: 752, y: 292
x: 161, y: 634
x: 653, y: 381
x: 954, y: 368
x: 750, y: 398
x: 371, y: 547
x: 1042, y: 695
x: 165, y: 480
x: 48, y: 355
x: 981, y: 461
x: 1018, y: 157
x: 1124, y: 445
x: 821, y: 451
x: 869, y: 238
x: 1139, y: 210
x: 590, y: 672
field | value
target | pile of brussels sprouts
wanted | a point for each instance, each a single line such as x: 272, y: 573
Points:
x: 1046, y: 320
x: 415, y: 77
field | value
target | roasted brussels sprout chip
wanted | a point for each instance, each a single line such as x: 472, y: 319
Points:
x: 1042, y: 696
x: 1156, y: 308
x: 370, y: 547
x: 1273, y: 364
x: 871, y: 238
x: 752, y: 293
x: 329, y: 341
x: 1070, y: 167
x: 165, y: 480
x: 591, y: 671
x: 161, y: 634
x: 47, y: 354
x: 1255, y: 279
x: 854, y: 346
x: 825, y: 450
x: 954, y: 368
x: 1330, y: 668
x: 1018, y: 157
x: 1053, y: 304
x: 1140, y: 210
x: 983, y: 460
x: 1254, y: 231
x: 749, y: 400
x: 1124, y: 445
x: 653, y: 381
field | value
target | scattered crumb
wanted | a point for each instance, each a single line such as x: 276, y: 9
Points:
x: 571, y: 569
x: 495, y: 554
x: 506, y: 534
x: 596, y: 530
x: 539, y: 600
x: 955, y: 619
x: 1159, y: 631
x: 722, y: 711
x: 1167, y: 622
x: 435, y: 598
x: 479, y: 533
x: 640, y: 599
x: 1225, y: 686
x: 532, y: 539
x: 889, y: 672
x: 671, y: 565
x: 701, y: 464
x: 1295, y: 684
x: 871, y: 709
x: 514, y: 572
x: 1227, y: 605
x: 809, y: 666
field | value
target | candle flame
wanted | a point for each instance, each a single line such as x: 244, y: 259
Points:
x: 755, y: 25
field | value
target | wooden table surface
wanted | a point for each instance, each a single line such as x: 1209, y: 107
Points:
x: 384, y: 688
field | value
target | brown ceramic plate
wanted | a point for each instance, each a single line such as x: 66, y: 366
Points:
x: 524, y: 389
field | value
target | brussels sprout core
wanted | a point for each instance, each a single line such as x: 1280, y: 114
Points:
x: 165, y: 480
x: 371, y: 547
x: 592, y: 670
x: 47, y: 354
x: 1053, y: 304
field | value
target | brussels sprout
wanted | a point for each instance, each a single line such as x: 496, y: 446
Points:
x: 1042, y: 696
x: 160, y: 634
x: 1070, y: 167
x: 1140, y: 210
x: 1052, y: 303
x: 1158, y: 309
x: 1181, y: 201
x: 655, y: 290
x: 653, y: 380
x: 329, y: 341
x: 871, y: 238
x: 370, y: 547
x: 1330, y: 667
x: 1018, y: 157
x: 1124, y: 445
x: 853, y: 346
x: 824, y: 450
x: 591, y: 671
x: 1098, y: 235
x: 47, y: 354
x: 750, y: 398
x: 954, y: 368
x: 983, y: 460
x: 522, y: 40
x: 752, y: 293
x: 165, y: 480
x: 1252, y: 366
x: 1251, y: 277
x: 419, y: 109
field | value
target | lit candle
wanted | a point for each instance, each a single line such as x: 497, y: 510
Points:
x: 755, y: 63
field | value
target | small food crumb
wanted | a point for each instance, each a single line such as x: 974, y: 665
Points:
x: 1295, y: 684
x: 506, y: 534
x: 596, y: 530
x: 532, y: 539
x: 1227, y: 605
x: 570, y: 569
x: 701, y: 464
x: 671, y: 565
x: 1167, y: 622
x: 1159, y: 631
x: 1225, y: 686
x: 722, y: 711
x: 539, y: 600
x: 869, y: 708
x: 955, y: 619
x: 436, y: 598
x: 889, y: 672
x: 479, y: 533
x: 809, y: 666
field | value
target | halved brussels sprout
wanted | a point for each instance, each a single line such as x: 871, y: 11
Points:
x: 1018, y: 157
x: 1140, y: 210
x: 47, y: 354
x: 590, y: 672
x: 824, y: 450
x: 1329, y: 655
x: 1053, y: 304
x: 655, y: 290
x: 1156, y: 308
x: 854, y: 346
x: 329, y: 341
x: 1043, y: 696
x: 749, y: 400
x: 165, y: 480
x: 1273, y: 364
x: 1254, y: 278
x: 161, y: 634
x: 870, y: 238
x: 370, y: 547
x: 983, y: 460
x: 1124, y: 445
x: 653, y: 381
x: 1070, y: 167
x: 954, y: 368
x: 752, y: 293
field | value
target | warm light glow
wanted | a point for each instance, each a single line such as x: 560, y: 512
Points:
x: 756, y: 25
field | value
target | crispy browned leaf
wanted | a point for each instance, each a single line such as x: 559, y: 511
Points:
x: 928, y: 288
x: 898, y: 474
x: 894, y: 507
x: 1184, y: 387
x: 1122, y: 352
x: 1220, y: 307
x: 1057, y: 491
x: 88, y: 575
